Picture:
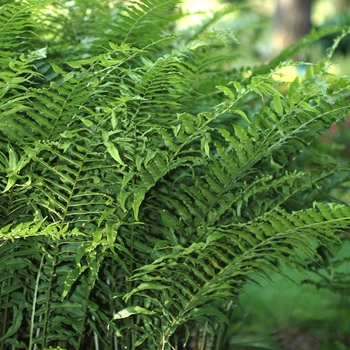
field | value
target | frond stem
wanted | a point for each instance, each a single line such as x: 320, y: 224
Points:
x: 32, y: 319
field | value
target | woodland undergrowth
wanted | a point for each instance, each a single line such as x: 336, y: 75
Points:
x: 144, y: 177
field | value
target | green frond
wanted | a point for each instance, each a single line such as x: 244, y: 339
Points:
x: 15, y: 28
x: 140, y: 14
x: 188, y: 278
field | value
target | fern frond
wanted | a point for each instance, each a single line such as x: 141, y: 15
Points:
x: 137, y: 18
x: 15, y: 28
x: 193, y: 277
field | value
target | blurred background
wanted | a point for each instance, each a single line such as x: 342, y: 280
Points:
x: 272, y: 25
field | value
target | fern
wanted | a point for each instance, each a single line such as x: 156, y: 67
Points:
x: 131, y: 207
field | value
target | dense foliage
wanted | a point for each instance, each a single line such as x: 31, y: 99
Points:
x: 144, y: 178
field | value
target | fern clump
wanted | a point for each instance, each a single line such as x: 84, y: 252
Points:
x: 142, y: 183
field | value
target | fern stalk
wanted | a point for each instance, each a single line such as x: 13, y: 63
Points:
x: 48, y: 298
x: 32, y: 319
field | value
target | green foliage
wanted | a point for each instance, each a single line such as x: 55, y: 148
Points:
x: 142, y: 182
x: 291, y: 315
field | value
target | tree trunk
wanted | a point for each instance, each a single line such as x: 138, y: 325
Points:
x: 292, y: 21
